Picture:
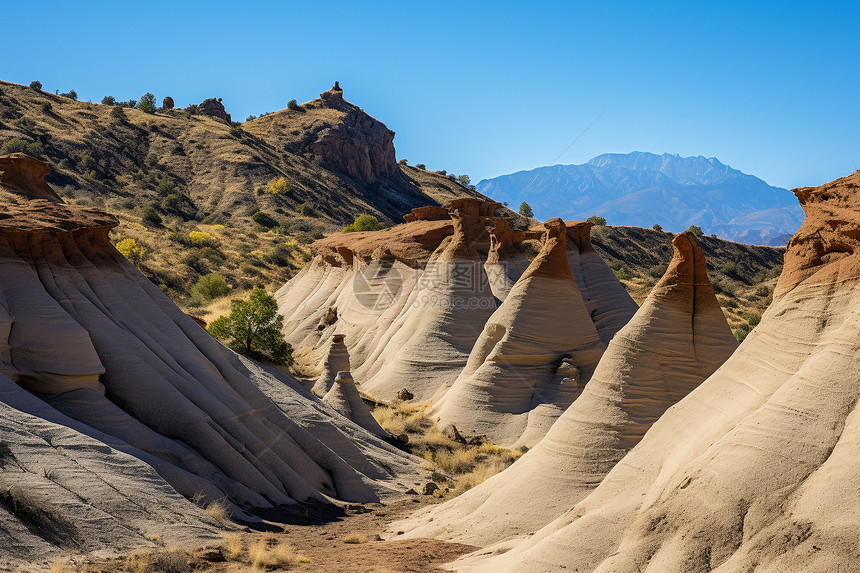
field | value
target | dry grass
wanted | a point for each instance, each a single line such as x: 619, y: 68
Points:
x: 459, y: 467
x: 164, y: 561
x: 64, y: 566
x: 355, y: 539
x: 268, y: 552
x: 218, y: 510
x: 233, y: 548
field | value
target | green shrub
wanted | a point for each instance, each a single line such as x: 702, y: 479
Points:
x: 211, y: 286
x: 147, y: 103
x: 108, y: 100
x: 36, y: 85
x: 293, y: 104
x: 695, y: 230
x: 656, y: 272
x: 658, y: 228
x: 15, y: 146
x: 730, y: 269
x: 253, y: 328
x: 88, y: 163
x: 363, y: 222
x: 165, y: 187
x: 596, y: 220
x: 623, y: 273
x: 150, y: 216
x: 753, y: 319
x: 464, y: 180
x: 264, y: 219
x: 308, y: 209
x: 71, y: 94
x: 762, y: 291
x: 421, y: 166
x: 403, y: 162
x: 251, y: 117
x: 172, y: 202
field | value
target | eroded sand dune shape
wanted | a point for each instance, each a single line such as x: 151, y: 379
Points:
x: 114, y: 360
x: 757, y: 468
x: 678, y: 338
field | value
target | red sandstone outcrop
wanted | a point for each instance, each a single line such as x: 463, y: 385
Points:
x: 25, y: 176
x: 214, y: 108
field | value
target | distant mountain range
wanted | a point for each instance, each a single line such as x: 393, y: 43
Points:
x: 642, y: 189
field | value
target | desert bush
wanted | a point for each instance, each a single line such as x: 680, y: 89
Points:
x: 132, y: 251
x: 199, y: 238
x: 211, y: 286
x: 363, y: 222
x: 46, y: 107
x: 15, y: 145
x: 108, y: 100
x: 277, y: 186
x: 271, y: 554
x: 762, y: 291
x: 164, y: 561
x: 308, y: 209
x: 730, y: 269
x: 233, y: 549
x: 264, y: 219
x: 150, y: 216
x: 596, y: 220
x: 293, y: 104
x: 753, y: 319
x: 695, y: 230
x: 656, y: 271
x: 464, y: 180
x: 71, y: 94
x: 658, y: 228
x: 623, y: 273
x: 147, y: 103
x: 36, y: 85
x: 165, y: 187
x: 253, y: 328
x: 403, y: 162
x: 251, y: 117
x: 355, y: 538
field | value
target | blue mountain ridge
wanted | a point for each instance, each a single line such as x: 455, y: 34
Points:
x: 642, y: 189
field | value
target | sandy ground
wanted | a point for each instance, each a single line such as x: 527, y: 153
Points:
x: 324, y: 544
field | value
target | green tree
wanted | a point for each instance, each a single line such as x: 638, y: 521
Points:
x: 695, y: 230
x: 526, y: 210
x: 36, y: 85
x: 658, y: 228
x: 71, y: 94
x: 595, y: 220
x: 147, y: 103
x: 211, y: 286
x: 293, y: 104
x: 253, y: 328
x: 464, y: 180
x: 150, y: 216
x: 108, y: 100
x: 363, y: 222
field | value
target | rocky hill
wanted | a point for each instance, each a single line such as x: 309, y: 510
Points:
x: 307, y: 170
x: 644, y: 189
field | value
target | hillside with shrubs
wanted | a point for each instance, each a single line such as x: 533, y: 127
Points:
x: 200, y: 195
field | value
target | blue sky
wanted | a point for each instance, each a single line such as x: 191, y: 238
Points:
x: 486, y: 88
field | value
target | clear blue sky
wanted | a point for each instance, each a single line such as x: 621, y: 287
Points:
x: 486, y: 88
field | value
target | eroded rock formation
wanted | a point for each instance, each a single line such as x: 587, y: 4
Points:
x: 214, y: 108
x: 343, y: 398
x: 757, y: 468
x: 509, y: 390
x: 677, y: 339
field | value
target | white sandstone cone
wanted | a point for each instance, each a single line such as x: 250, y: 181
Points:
x: 344, y: 399
x: 336, y: 361
x: 509, y: 390
x: 677, y: 339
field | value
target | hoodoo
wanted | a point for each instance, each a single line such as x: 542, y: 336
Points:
x: 678, y: 338
x: 757, y: 468
x: 336, y: 361
x: 344, y: 399
x: 533, y: 358
x: 505, y: 262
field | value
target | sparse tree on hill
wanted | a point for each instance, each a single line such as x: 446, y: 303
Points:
x: 596, y: 220
x: 71, y: 94
x: 695, y: 230
x: 526, y: 210
x: 36, y: 85
x: 108, y: 100
x: 464, y: 180
x: 658, y: 228
x: 293, y: 104
x: 147, y: 103
x: 253, y: 328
